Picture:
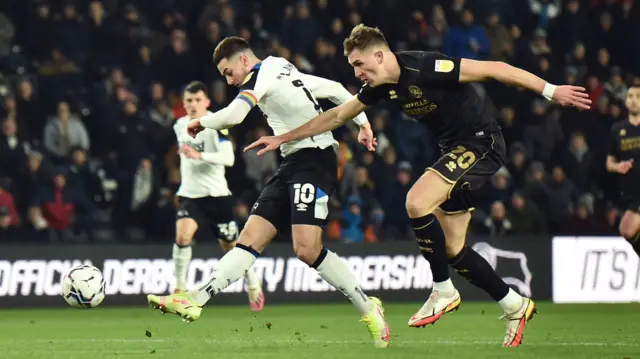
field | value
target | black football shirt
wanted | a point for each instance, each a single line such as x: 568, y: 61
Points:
x: 430, y: 92
x: 625, y: 145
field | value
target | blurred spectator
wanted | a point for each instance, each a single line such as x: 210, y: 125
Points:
x: 561, y: 194
x: 31, y: 119
x: 14, y: 152
x: 82, y: 177
x: 544, y: 11
x: 500, y: 40
x: 63, y: 132
x: 7, y: 32
x: 352, y: 223
x: 467, y: 40
x: 396, y: 223
x: 58, y: 206
x: 525, y: 217
x: 544, y: 134
x: 178, y: 64
x: 133, y: 139
x: 438, y: 28
x: 346, y: 174
x: 497, y: 224
x: 615, y: 87
x: 9, y: 217
x: 578, y: 161
x: 501, y: 188
x: 583, y: 223
x: 518, y: 164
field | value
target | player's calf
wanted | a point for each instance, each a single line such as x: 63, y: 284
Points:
x: 630, y: 229
x: 422, y: 200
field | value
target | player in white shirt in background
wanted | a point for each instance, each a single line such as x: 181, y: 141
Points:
x: 295, y: 201
x: 206, y: 203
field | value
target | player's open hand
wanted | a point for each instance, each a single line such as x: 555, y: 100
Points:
x: 190, y: 152
x: 365, y: 137
x: 572, y: 96
x: 270, y: 143
x: 194, y: 127
x: 625, y: 166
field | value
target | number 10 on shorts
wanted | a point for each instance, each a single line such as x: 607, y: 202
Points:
x: 303, y: 193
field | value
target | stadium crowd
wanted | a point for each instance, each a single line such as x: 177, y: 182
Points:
x: 89, y: 92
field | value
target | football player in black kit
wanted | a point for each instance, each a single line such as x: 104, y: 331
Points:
x: 624, y: 150
x: 434, y: 89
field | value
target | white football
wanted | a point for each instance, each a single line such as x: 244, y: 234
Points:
x: 83, y: 287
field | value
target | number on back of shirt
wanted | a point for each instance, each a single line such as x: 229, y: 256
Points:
x: 316, y: 105
x: 303, y: 193
x: 228, y: 230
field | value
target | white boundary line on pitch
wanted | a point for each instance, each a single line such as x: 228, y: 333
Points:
x: 304, y: 340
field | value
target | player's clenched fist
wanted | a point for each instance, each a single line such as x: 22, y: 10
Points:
x: 194, y: 127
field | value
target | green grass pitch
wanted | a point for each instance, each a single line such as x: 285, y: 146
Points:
x: 315, y: 331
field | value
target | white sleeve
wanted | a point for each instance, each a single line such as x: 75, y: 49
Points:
x: 224, y: 156
x: 332, y: 91
x: 255, y: 86
x: 228, y: 117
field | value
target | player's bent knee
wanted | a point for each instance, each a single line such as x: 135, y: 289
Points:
x: 426, y: 195
x: 257, y: 233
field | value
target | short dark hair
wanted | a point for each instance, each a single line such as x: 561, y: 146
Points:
x: 363, y: 37
x: 228, y: 47
x: 196, y: 86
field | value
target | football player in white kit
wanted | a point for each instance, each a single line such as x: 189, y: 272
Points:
x: 295, y: 200
x: 205, y: 201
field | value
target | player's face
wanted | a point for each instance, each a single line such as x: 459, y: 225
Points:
x: 367, y: 66
x: 196, y: 104
x: 633, y: 100
x: 234, y: 70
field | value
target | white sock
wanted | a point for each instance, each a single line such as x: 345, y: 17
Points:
x: 231, y: 267
x: 252, y: 281
x: 511, y: 302
x: 181, y: 259
x: 444, y: 287
x: 335, y: 271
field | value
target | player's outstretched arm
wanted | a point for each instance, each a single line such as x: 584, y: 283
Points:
x: 474, y: 71
x: 228, y: 117
x: 332, y: 91
x: 322, y: 123
x: 336, y: 93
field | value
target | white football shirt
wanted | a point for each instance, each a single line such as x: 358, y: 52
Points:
x: 202, y: 178
x: 281, y: 92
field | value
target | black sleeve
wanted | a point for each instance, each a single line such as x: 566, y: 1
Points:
x: 369, y: 95
x: 440, y: 68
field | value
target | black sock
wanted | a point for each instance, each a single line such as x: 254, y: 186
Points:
x: 430, y: 239
x: 474, y: 268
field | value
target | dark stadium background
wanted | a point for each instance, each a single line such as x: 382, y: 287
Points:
x: 119, y: 67
x: 114, y: 71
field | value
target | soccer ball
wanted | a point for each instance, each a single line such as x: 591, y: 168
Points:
x: 83, y: 287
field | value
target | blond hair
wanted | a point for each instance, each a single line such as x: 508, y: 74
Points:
x: 363, y: 37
